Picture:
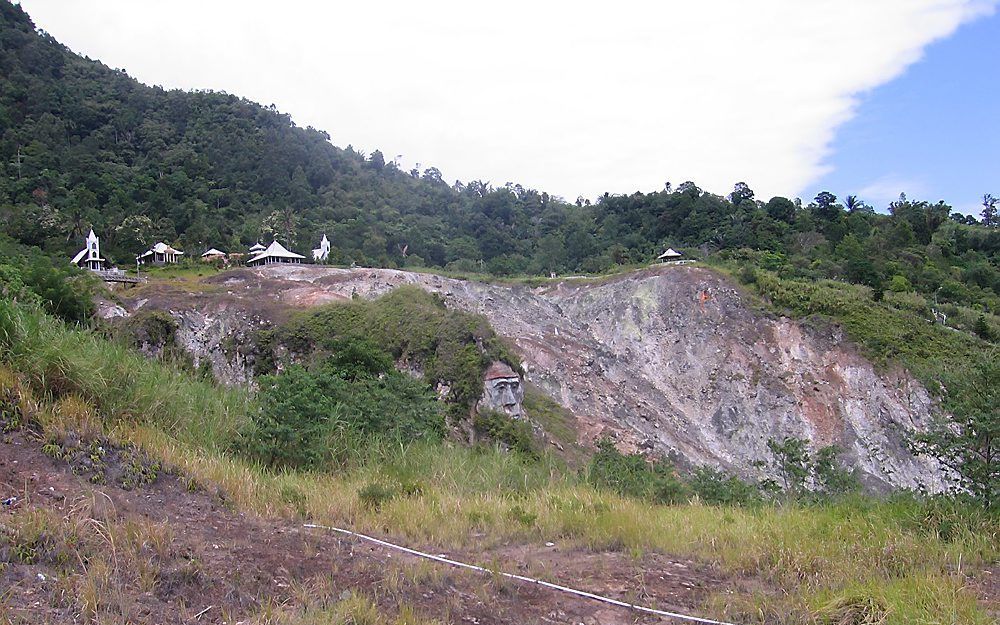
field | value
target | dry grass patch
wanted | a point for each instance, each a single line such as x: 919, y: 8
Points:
x: 99, y: 562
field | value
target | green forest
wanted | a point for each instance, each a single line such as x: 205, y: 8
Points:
x: 86, y: 146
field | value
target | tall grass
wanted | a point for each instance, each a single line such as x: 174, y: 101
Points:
x: 896, y: 558
x: 57, y: 361
x: 826, y: 559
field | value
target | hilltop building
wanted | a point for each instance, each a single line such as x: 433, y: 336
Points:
x: 275, y: 253
x: 323, y: 252
x: 256, y: 248
x: 213, y: 254
x: 159, y: 254
x: 673, y: 257
x: 90, y: 256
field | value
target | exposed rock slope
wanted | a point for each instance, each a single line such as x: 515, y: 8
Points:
x: 674, y: 360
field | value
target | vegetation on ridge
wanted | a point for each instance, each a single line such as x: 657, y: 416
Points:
x: 962, y: 369
x: 409, y: 325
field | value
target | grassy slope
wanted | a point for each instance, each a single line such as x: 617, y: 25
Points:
x: 829, y: 558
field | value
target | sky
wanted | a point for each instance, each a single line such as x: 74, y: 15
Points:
x: 933, y: 133
x: 581, y: 98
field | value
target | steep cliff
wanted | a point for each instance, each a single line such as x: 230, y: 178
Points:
x: 673, y: 360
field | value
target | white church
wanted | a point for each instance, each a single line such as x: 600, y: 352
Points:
x: 90, y: 256
x: 323, y: 252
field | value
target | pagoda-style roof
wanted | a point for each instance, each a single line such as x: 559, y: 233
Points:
x: 275, y: 250
x: 670, y: 253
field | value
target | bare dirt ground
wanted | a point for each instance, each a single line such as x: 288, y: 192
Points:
x: 226, y: 566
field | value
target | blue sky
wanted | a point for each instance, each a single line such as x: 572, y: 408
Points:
x: 933, y: 133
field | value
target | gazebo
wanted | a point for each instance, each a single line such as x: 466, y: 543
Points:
x: 159, y: 254
x: 213, y: 254
x: 670, y: 254
x: 275, y: 253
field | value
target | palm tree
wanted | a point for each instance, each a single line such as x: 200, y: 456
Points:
x: 853, y: 205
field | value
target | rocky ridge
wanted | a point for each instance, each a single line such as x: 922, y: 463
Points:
x: 675, y: 361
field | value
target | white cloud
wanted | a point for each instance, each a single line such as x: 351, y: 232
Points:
x: 571, y: 97
x: 881, y: 191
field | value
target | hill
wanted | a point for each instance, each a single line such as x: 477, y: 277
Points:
x: 676, y: 362
x: 127, y: 495
x: 85, y: 145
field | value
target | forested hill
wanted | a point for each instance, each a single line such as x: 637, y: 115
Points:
x: 84, y: 145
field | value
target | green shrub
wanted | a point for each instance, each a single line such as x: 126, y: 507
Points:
x: 982, y: 329
x: 309, y: 418
x: 717, y: 487
x: 150, y: 328
x: 374, y: 495
x: 357, y: 359
x: 830, y: 478
x: 154, y: 332
x: 500, y: 427
x: 816, y: 474
x: 29, y: 276
x: 747, y: 274
x: 632, y: 475
x: 899, y: 284
x: 408, y: 325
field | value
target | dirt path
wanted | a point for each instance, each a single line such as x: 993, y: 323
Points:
x: 223, y: 566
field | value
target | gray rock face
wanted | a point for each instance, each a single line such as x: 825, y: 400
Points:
x: 673, y: 360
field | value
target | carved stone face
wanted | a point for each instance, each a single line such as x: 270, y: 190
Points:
x: 502, y: 391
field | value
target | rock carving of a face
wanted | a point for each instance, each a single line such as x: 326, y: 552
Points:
x: 502, y: 390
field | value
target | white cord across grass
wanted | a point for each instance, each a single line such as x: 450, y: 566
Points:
x: 521, y: 578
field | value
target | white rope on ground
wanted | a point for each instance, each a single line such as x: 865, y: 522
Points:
x: 521, y: 578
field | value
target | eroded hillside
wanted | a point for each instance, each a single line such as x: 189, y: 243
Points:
x: 673, y: 360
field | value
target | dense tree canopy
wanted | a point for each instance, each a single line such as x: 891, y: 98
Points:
x: 83, y: 145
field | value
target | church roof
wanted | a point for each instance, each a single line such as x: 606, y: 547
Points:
x: 82, y: 255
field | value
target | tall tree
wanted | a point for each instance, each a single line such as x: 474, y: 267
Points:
x: 826, y: 206
x: 741, y: 193
x: 855, y: 205
x: 968, y: 441
x: 989, y: 213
